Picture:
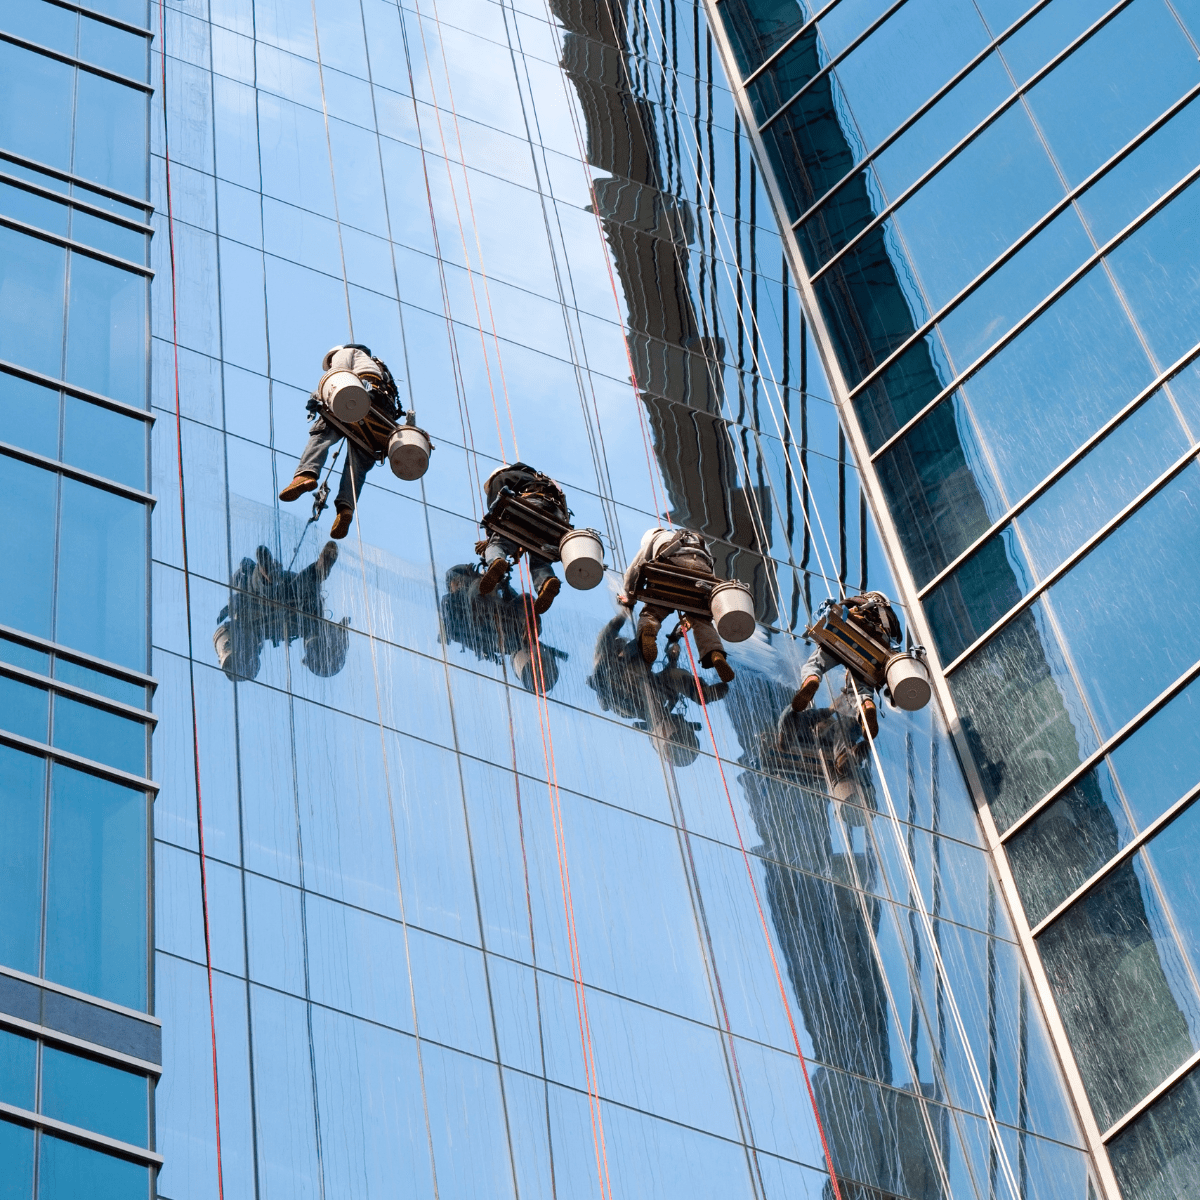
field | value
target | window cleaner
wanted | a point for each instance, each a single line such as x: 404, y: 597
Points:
x: 356, y: 399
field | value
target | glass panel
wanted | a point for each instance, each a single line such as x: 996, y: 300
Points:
x: 24, y: 709
x: 33, y: 83
x: 18, y: 1068
x: 1158, y: 1157
x: 757, y: 29
x: 29, y: 414
x: 102, y: 575
x: 46, y: 24
x: 110, y: 134
x: 22, y: 816
x: 27, y: 206
x: 98, y: 681
x: 99, y: 735
x: 106, y: 330
x: 113, y: 48
x: 16, y: 1153
x: 96, y: 902
x: 105, y: 235
x: 67, y: 1171
x: 31, y: 333
x: 26, y: 594
x: 1050, y: 32
x: 105, y: 442
x: 94, y: 1096
x: 24, y: 656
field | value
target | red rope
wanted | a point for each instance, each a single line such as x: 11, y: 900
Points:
x: 787, y: 1008
x: 187, y: 596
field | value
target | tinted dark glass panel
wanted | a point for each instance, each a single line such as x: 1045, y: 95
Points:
x: 759, y: 27
x: 1158, y: 1157
x: 22, y: 815
x: 94, y: 1096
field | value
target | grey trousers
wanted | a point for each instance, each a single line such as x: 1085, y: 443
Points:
x: 707, y: 638
x: 820, y: 661
x: 358, y: 462
x: 540, y: 568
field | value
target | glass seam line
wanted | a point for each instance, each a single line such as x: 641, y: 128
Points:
x: 956, y: 150
x: 73, y: 389
x: 61, y: 468
x: 104, y: 18
x: 1089, y: 264
x: 911, y: 120
x: 1076, y: 556
x: 1126, y: 731
x: 834, y: 61
x: 75, y: 1133
x: 95, y: 1049
x: 1041, y: 223
x: 116, y: 77
x: 1152, y: 830
x: 1064, y: 467
x: 1167, y: 1084
x: 93, y: 699
x: 28, y: 185
x: 787, y: 45
x: 84, y: 659
x: 68, y: 177
x: 96, y: 1001
x: 79, y: 247
x: 90, y: 766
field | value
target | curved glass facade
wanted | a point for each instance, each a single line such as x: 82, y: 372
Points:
x: 992, y: 212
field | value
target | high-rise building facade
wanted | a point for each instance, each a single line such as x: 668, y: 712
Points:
x: 449, y: 901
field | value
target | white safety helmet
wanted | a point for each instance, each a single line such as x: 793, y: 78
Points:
x: 327, y: 361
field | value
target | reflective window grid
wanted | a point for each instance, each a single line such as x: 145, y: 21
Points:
x: 475, y: 921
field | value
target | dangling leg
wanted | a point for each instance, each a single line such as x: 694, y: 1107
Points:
x: 546, y: 584
x: 819, y: 661
x: 710, y: 648
x: 320, y: 438
x: 498, y: 556
x: 649, y: 623
x: 358, y: 463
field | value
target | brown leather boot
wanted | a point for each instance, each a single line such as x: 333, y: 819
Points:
x: 298, y: 486
x: 647, y: 639
x: 496, y: 571
x: 546, y: 593
x: 808, y: 689
x: 720, y: 664
x: 870, y: 718
x: 342, y: 522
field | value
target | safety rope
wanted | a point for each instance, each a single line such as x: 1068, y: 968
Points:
x: 187, y: 604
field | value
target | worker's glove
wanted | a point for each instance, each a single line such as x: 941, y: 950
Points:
x: 481, y: 545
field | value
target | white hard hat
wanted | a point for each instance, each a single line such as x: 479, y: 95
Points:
x: 327, y: 361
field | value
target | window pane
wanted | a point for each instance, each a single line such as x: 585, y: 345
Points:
x: 29, y: 415
x: 99, y: 735
x: 31, y: 299
x: 16, y: 1153
x: 25, y: 596
x: 104, y: 235
x: 108, y: 46
x: 22, y: 817
x: 24, y: 709
x: 105, y: 442
x: 46, y: 24
x: 96, y: 906
x: 24, y: 656
x: 110, y: 134
x: 18, y: 1062
x: 67, y: 1172
x: 33, y: 209
x: 94, y: 1096
x: 106, y: 330
x: 102, y: 575
x: 97, y: 681
x: 34, y: 83
x: 1158, y: 1156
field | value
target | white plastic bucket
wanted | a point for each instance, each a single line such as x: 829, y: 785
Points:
x: 408, y: 452
x: 908, y: 682
x: 348, y: 400
x: 733, y: 611
x: 582, y: 558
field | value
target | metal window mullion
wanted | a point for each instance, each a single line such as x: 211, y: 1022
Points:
x: 774, y: 56
x: 61, y: 468
x: 75, y: 1133
x: 94, y: 1049
x: 58, y: 55
x: 1150, y: 1098
x: 104, y: 18
x: 87, y: 660
x: 87, y: 765
x: 957, y: 149
x: 28, y: 185
x: 1064, y: 287
x: 1064, y: 467
x: 70, y: 244
x: 69, y: 177
x: 94, y: 699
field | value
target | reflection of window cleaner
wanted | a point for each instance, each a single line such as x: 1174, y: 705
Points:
x: 272, y: 603
x: 356, y: 399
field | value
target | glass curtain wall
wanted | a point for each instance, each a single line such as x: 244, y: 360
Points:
x: 79, y: 1046
x: 493, y: 907
x: 992, y: 208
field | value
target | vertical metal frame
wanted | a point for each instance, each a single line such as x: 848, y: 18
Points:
x: 1103, y: 1176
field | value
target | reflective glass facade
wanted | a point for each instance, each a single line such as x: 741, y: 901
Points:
x: 991, y: 211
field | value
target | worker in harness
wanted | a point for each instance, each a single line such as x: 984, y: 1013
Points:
x: 873, y: 613
x: 323, y: 435
x: 684, y: 551
x: 499, y: 553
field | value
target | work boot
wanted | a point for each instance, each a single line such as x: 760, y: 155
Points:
x: 298, y: 486
x: 546, y: 594
x: 719, y: 663
x: 341, y: 523
x: 870, y: 718
x: 647, y: 639
x: 808, y: 689
x: 496, y: 571
x: 325, y: 560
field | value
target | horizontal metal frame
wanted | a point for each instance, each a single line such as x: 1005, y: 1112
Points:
x: 72, y: 389
x: 93, y: 699
x: 54, y: 464
x: 841, y: 55
x: 67, y: 243
x: 1109, y: 527
x: 88, y: 765
x: 68, y: 201
x: 1124, y: 854
x: 1088, y: 265
x: 1040, y: 224
x: 1126, y: 731
x: 96, y: 1001
x: 69, y: 1042
x: 911, y: 120
x: 1064, y: 467
x: 1167, y: 1084
x: 788, y: 44
x: 104, y: 18
x: 958, y: 148
x: 83, y: 659
x: 85, y: 1137
x: 67, y: 177
x: 71, y: 61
